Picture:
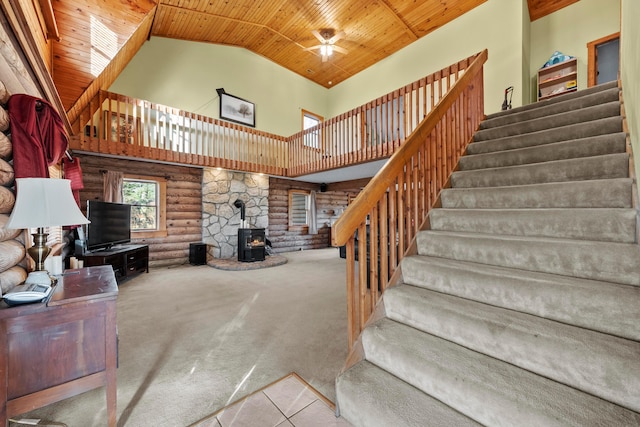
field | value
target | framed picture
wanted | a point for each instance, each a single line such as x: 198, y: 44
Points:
x: 121, y: 128
x: 237, y: 110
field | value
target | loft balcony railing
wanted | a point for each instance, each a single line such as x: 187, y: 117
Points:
x: 115, y: 124
x: 119, y: 125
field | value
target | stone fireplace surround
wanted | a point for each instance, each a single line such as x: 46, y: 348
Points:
x: 221, y: 219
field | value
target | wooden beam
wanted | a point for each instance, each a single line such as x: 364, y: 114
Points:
x: 49, y: 19
x: 27, y: 44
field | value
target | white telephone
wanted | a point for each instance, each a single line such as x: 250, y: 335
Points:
x: 28, y: 293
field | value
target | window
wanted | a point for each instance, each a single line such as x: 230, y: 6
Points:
x: 298, y: 208
x: 147, y: 197
x: 309, y: 120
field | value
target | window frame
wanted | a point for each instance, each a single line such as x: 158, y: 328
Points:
x: 161, y: 182
x: 306, y: 195
x: 315, y: 135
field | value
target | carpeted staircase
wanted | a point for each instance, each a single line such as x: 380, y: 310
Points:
x: 522, y: 307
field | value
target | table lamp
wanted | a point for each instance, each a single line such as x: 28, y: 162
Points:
x: 40, y: 203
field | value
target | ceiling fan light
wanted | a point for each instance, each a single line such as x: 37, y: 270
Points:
x: 323, y: 50
x: 329, y: 50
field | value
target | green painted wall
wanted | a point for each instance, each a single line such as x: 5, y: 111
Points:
x: 185, y: 75
x: 569, y: 30
x: 495, y: 25
x: 629, y: 72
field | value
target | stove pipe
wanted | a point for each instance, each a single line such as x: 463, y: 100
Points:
x: 240, y: 205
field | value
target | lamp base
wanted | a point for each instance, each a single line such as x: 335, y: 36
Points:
x: 40, y: 277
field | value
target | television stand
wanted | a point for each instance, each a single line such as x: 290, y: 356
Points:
x: 126, y: 260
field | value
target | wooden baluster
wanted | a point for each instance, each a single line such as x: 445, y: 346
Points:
x: 352, y: 294
x: 362, y: 275
x: 385, y: 246
x: 408, y: 201
x: 393, y: 226
x: 373, y: 256
x: 422, y: 183
x: 449, y: 141
x: 400, y: 212
x: 416, y: 195
x: 434, y: 164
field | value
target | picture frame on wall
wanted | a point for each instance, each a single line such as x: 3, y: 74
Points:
x: 237, y: 110
x: 121, y: 128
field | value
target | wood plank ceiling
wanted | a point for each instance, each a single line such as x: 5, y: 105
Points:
x: 99, y: 37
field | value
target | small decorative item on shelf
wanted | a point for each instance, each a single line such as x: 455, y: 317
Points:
x: 556, y: 58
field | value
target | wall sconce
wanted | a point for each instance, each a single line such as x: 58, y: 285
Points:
x: 40, y: 203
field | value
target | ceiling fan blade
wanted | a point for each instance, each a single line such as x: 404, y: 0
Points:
x: 335, y: 38
x: 325, y: 57
x: 318, y: 46
x: 318, y: 36
x: 340, y: 49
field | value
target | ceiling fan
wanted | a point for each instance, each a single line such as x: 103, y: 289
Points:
x: 327, y: 38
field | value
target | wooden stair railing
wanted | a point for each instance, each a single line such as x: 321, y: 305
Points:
x: 393, y: 207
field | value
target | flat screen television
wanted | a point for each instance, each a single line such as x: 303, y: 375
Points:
x: 110, y: 224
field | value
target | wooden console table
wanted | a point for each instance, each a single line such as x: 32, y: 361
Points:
x: 55, y: 350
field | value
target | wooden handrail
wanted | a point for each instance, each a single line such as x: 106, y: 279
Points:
x: 356, y: 212
x: 388, y: 213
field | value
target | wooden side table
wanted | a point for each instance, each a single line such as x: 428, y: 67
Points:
x: 55, y: 350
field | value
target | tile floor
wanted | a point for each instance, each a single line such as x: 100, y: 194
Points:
x: 289, y: 402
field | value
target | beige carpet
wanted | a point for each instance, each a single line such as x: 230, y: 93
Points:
x: 194, y: 339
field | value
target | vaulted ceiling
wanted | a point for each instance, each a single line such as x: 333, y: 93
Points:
x: 99, y: 37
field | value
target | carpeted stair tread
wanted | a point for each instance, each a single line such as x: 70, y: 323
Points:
x: 606, y: 261
x: 555, y: 100
x: 588, y: 100
x: 601, y: 111
x: 603, y: 193
x: 490, y: 391
x: 587, y: 168
x: 600, y: 306
x: 598, y: 127
x: 404, y: 405
x: 576, y: 148
x: 608, y: 225
x: 555, y: 350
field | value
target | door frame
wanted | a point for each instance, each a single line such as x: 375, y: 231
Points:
x: 592, y: 62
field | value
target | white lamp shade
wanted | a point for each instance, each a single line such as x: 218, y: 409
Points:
x: 44, y: 202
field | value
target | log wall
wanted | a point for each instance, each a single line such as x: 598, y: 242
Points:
x: 12, y: 248
x: 329, y: 205
x: 184, y: 203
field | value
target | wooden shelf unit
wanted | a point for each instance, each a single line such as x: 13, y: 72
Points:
x: 558, y: 79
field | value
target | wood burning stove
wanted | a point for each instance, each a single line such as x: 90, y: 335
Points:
x: 251, y: 244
